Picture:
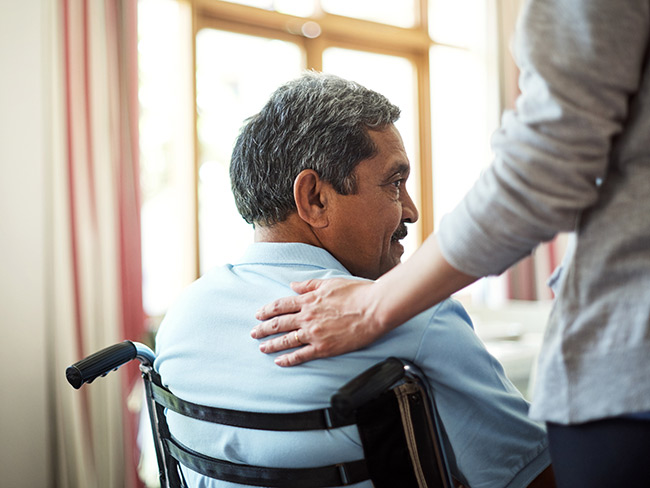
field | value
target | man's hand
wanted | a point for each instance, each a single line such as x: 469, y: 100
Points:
x: 328, y: 318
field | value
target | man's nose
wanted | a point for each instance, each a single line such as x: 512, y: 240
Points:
x: 409, y: 210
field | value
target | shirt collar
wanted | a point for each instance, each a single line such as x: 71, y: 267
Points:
x: 289, y: 253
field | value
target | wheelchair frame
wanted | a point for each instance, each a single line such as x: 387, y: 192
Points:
x: 390, y: 402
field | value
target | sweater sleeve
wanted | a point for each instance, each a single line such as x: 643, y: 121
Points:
x: 580, y: 63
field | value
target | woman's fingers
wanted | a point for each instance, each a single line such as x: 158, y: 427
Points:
x: 306, y: 286
x: 326, y: 319
x: 302, y: 355
x: 281, y: 306
x: 290, y: 304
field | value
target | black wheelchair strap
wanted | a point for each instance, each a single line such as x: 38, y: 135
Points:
x: 321, y: 477
x: 322, y: 419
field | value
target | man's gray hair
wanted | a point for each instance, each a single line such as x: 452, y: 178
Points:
x: 318, y: 122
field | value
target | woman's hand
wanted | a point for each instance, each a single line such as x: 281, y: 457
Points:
x: 331, y: 317
x: 328, y: 318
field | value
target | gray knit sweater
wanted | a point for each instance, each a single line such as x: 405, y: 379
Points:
x: 575, y: 156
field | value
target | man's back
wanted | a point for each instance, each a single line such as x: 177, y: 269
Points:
x: 206, y: 355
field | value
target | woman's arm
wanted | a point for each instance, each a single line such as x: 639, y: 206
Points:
x: 332, y: 317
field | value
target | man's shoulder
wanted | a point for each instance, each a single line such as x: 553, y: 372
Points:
x: 443, y: 323
x: 449, y: 309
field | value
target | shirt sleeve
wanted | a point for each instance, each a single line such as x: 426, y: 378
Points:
x: 492, y: 442
x: 580, y: 62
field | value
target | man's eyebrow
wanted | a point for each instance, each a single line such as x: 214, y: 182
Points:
x: 400, y: 167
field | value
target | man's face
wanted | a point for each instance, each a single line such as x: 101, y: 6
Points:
x: 366, y: 227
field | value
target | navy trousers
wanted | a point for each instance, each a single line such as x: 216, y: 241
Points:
x: 607, y: 453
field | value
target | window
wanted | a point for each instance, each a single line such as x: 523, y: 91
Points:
x: 461, y: 118
x: 207, y: 65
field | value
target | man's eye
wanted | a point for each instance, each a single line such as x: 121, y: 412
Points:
x: 398, y: 183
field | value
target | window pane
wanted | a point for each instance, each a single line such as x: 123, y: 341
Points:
x: 462, y: 122
x: 457, y: 22
x: 228, y: 92
x: 401, y: 14
x: 460, y: 125
x: 301, y: 8
x: 393, y: 77
x: 166, y: 151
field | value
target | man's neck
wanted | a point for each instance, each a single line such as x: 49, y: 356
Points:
x: 292, y: 229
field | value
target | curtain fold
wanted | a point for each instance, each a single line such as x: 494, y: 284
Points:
x: 95, y: 234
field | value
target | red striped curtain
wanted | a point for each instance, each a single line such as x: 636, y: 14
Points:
x: 96, y: 277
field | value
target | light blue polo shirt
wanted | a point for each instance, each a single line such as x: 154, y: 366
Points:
x: 206, y: 356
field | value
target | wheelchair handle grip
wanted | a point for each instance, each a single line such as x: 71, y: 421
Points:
x: 100, y: 363
x: 368, y: 385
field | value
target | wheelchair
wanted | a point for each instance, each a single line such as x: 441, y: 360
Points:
x: 390, y: 404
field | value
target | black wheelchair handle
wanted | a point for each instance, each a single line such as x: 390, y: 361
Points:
x: 100, y: 363
x: 368, y: 385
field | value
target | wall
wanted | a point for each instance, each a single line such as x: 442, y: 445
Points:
x: 24, y: 439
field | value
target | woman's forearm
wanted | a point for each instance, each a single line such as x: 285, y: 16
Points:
x: 419, y: 283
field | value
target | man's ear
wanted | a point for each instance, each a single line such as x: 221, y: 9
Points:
x: 310, y: 195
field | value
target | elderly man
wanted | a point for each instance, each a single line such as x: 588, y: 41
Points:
x: 320, y: 172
